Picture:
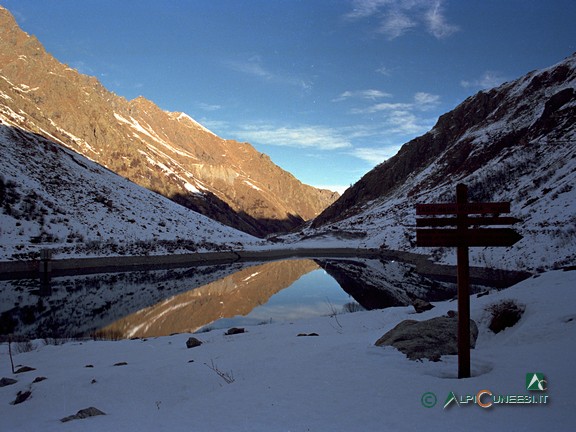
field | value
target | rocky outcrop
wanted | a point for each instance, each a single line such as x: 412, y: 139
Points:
x: 193, y: 342
x: 167, y: 152
x: 83, y: 414
x: 430, y: 339
x: 420, y: 305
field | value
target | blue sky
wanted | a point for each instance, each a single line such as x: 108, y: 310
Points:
x: 327, y: 88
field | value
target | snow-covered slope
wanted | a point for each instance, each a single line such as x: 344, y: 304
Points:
x: 51, y: 197
x: 513, y: 143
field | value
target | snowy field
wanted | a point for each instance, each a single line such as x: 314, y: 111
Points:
x: 269, y: 379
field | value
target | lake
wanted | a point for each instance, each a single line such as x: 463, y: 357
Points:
x: 163, y: 302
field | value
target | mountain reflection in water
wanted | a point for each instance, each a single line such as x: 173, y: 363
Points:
x: 163, y: 302
x: 236, y: 294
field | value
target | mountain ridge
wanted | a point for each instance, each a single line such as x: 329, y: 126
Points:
x: 163, y: 151
x: 515, y: 142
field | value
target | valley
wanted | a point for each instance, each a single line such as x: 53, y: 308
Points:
x: 157, y: 275
x: 87, y: 173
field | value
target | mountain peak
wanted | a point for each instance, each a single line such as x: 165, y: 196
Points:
x: 12, y: 35
x: 189, y: 121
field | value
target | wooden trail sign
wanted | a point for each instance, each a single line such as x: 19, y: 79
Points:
x: 463, y: 208
x: 462, y: 237
x: 469, y: 221
x: 467, y: 237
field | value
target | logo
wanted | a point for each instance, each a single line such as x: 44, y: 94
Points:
x: 429, y: 400
x: 535, y: 382
x: 451, y: 398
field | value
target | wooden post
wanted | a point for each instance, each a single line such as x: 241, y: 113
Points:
x: 463, y: 278
x: 45, y: 265
x: 462, y: 238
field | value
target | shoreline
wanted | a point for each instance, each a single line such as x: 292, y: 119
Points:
x: 10, y: 270
x: 116, y: 264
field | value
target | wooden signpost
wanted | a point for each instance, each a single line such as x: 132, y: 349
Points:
x: 465, y: 234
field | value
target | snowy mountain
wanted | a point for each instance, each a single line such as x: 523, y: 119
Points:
x: 53, y: 197
x: 516, y: 142
x: 163, y: 151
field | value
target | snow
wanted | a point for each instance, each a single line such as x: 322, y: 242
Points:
x: 268, y: 379
x: 186, y: 117
x: 191, y: 188
x: 252, y: 185
x: 5, y: 96
x: 78, y: 203
x: 150, y: 133
x: 71, y: 136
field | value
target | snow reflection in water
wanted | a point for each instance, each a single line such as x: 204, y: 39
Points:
x: 162, y: 302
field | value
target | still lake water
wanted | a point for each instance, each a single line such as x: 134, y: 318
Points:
x: 314, y: 294
x: 163, y: 302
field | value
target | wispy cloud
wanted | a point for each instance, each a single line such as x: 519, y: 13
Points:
x: 372, y: 141
x: 425, y: 101
x: 396, y: 17
x: 395, y: 23
x: 209, y: 107
x: 321, y: 138
x: 314, y: 137
x: 375, y: 156
x: 422, y: 101
x: 384, y: 71
x: 384, y: 106
x: 403, y: 118
x: 488, y: 80
x: 254, y: 66
x: 366, y: 8
x: 370, y: 94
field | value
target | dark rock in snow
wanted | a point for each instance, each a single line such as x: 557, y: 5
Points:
x: 421, y: 305
x: 234, y: 330
x: 25, y: 369
x: 121, y: 364
x: 192, y: 342
x: 83, y: 413
x: 428, y: 339
x: 21, y: 397
x: 7, y: 381
x: 39, y: 379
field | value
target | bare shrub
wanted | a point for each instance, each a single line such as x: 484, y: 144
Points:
x: 504, y: 314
